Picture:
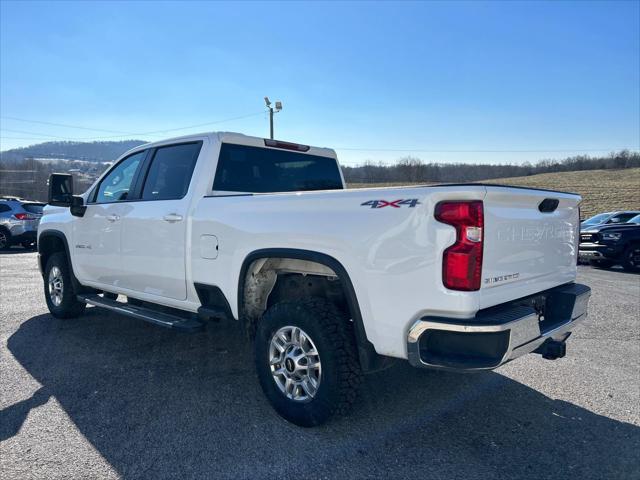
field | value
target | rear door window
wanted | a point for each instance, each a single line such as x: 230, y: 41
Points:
x: 170, y: 172
x: 262, y: 170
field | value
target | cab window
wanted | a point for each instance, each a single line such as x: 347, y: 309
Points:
x: 170, y: 172
x: 116, y: 185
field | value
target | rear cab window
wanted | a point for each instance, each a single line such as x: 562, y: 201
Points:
x: 248, y: 169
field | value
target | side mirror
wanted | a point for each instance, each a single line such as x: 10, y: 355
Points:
x: 60, y: 190
x: 61, y: 194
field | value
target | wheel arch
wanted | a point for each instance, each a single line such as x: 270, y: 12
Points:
x: 50, y: 242
x: 369, y: 359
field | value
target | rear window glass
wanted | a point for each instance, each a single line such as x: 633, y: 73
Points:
x: 262, y: 170
x: 170, y: 172
x: 33, y: 207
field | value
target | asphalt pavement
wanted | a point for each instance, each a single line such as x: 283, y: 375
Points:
x: 105, y: 396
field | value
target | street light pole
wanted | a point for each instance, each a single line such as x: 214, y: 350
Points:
x: 271, y: 112
x: 271, y: 122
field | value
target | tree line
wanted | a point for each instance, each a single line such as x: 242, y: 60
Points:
x: 414, y: 170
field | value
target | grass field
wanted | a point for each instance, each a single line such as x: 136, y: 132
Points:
x: 602, y: 190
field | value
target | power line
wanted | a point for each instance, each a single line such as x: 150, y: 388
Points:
x: 154, y: 132
x: 355, y: 149
x: 63, y: 125
x: 20, y: 138
x: 255, y: 114
x: 32, y: 133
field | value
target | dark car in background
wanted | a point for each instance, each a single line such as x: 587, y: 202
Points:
x: 605, y: 245
x: 609, y: 218
x: 19, y: 221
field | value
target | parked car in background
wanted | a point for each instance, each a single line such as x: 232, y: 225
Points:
x: 19, y: 221
x: 609, y: 218
x: 607, y: 245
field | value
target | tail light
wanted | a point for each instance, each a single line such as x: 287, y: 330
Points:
x: 24, y: 216
x: 462, y: 261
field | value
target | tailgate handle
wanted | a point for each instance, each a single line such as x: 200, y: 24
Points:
x: 548, y: 205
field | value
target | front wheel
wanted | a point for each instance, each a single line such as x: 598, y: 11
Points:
x: 306, y: 361
x: 58, y: 288
x: 631, y: 260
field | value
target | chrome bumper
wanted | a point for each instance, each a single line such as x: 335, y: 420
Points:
x: 589, y: 254
x: 497, y: 335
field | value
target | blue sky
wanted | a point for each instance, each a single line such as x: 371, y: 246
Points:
x: 440, y: 81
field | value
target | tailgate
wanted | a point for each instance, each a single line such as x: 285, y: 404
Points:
x: 527, y: 250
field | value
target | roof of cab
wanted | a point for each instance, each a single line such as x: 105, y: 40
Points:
x: 232, y: 137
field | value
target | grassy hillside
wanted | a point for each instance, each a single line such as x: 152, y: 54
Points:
x: 602, y: 190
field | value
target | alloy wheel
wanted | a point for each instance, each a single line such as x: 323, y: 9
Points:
x: 56, y: 286
x: 295, y: 363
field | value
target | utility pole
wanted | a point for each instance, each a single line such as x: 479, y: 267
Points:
x: 278, y: 107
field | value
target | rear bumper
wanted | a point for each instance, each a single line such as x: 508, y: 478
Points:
x: 499, y: 334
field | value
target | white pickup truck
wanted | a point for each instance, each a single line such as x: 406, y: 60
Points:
x: 327, y: 282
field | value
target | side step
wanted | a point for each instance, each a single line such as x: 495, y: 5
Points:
x: 143, y: 313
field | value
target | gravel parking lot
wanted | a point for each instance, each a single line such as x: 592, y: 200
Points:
x: 106, y: 396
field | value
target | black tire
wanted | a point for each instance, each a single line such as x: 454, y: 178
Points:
x: 332, y: 335
x: 601, y: 263
x: 28, y: 245
x: 69, y: 306
x: 631, y: 260
x: 5, y: 238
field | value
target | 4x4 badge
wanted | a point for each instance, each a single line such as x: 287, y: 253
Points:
x: 411, y: 202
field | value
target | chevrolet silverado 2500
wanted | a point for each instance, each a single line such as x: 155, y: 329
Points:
x: 327, y: 282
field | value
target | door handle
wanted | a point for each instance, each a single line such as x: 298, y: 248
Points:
x: 172, y: 217
x: 113, y: 218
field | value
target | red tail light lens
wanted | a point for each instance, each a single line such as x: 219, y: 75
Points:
x: 23, y: 216
x: 462, y: 261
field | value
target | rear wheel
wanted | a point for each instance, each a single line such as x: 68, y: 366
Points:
x: 306, y: 360
x: 631, y: 261
x: 58, y: 288
x: 5, y: 239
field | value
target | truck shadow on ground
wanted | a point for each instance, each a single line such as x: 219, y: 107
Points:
x: 158, y: 404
